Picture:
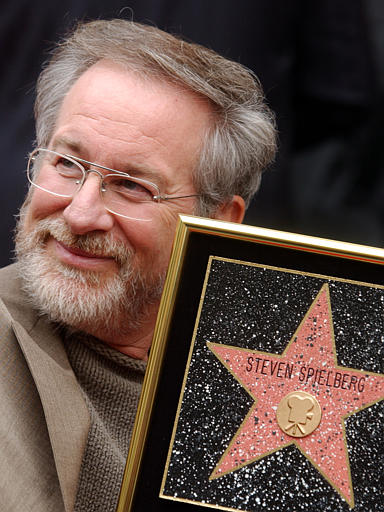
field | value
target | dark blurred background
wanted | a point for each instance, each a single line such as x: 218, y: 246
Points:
x: 321, y: 63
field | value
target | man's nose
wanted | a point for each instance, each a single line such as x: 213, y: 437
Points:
x: 86, y: 211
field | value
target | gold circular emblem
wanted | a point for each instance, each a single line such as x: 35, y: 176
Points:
x: 298, y: 414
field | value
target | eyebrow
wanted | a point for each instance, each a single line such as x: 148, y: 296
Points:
x: 65, y: 143
x: 69, y: 143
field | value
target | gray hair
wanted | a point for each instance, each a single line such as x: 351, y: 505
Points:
x: 241, y: 140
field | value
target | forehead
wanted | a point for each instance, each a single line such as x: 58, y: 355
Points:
x: 113, y: 114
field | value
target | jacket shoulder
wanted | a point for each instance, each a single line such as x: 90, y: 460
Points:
x: 26, y: 454
x: 15, y: 305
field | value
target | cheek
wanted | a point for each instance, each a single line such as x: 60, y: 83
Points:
x: 164, y: 234
x: 152, y: 240
x: 42, y: 204
x: 143, y: 236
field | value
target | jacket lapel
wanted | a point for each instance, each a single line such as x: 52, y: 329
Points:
x: 64, y: 407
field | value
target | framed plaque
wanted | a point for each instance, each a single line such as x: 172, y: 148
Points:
x: 265, y: 383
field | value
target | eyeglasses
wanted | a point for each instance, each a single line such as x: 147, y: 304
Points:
x: 63, y: 176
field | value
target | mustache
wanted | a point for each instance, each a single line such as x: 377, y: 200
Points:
x: 97, y: 244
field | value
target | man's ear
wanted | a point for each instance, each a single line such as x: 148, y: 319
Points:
x: 232, y: 211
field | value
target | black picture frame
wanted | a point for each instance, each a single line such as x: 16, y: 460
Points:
x: 197, y: 243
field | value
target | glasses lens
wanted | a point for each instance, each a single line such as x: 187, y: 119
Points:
x: 121, y: 192
x: 63, y: 176
x: 55, y: 173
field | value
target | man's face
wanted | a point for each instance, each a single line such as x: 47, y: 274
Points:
x: 149, y: 129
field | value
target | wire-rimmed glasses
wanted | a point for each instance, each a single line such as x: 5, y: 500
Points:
x: 63, y: 176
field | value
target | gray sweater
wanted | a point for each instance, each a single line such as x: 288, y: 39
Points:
x: 111, y: 383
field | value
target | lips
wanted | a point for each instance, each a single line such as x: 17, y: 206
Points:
x: 80, y: 252
x: 75, y: 257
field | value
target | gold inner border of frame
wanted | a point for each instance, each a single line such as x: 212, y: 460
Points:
x: 187, y: 225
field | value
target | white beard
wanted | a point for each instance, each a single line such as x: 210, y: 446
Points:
x: 84, y: 300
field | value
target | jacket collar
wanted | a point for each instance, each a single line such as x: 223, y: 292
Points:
x: 64, y: 407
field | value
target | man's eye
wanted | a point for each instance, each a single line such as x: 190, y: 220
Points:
x: 67, y: 168
x: 128, y: 188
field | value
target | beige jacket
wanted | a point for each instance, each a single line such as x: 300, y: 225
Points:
x: 44, y: 421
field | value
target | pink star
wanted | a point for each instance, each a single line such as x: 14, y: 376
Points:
x: 307, y: 364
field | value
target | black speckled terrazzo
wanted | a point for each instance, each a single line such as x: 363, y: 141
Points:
x: 260, y: 308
